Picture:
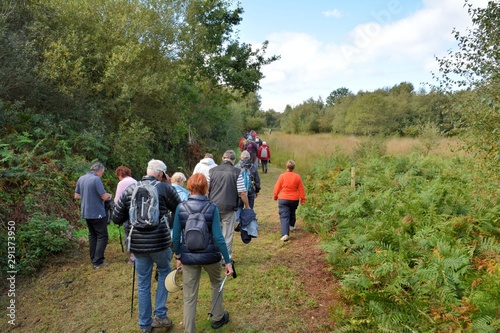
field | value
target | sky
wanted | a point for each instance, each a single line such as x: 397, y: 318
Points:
x: 362, y: 45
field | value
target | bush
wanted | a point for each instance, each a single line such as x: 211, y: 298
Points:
x: 415, y: 245
x: 36, y: 241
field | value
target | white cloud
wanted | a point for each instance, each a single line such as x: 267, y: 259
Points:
x: 375, y: 54
x: 333, y: 13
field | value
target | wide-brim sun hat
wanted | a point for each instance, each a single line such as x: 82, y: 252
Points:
x: 173, y: 281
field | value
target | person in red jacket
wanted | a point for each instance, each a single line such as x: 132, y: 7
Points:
x: 289, y: 191
x: 264, y: 155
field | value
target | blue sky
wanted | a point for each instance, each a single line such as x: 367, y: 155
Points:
x: 357, y: 44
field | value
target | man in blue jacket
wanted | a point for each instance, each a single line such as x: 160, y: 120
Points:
x: 90, y: 190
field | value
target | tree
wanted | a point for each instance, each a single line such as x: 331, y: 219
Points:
x: 476, y: 66
x: 337, y: 95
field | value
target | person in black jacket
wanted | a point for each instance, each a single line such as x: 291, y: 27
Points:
x: 151, y: 246
x: 226, y: 187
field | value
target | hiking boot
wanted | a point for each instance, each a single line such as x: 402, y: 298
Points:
x: 284, y: 238
x: 103, y: 264
x: 219, y: 323
x: 147, y: 330
x: 161, y: 322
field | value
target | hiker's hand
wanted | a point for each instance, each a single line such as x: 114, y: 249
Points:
x: 179, y: 265
x: 229, y: 269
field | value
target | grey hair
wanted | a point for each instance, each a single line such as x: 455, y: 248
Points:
x: 97, y: 166
x: 245, y: 155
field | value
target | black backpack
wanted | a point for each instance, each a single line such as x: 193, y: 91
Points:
x: 196, y: 234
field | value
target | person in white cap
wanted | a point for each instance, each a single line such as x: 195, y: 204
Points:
x: 151, y: 246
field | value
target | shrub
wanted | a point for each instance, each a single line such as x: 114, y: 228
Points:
x: 415, y: 245
x: 36, y: 241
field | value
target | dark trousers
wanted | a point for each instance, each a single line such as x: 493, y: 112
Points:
x: 264, y: 165
x: 98, y: 239
x: 287, y: 210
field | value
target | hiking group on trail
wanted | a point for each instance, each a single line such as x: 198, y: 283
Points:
x: 195, y: 225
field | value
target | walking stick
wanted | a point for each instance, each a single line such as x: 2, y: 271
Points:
x: 132, y: 298
x: 217, y: 298
x: 121, y: 241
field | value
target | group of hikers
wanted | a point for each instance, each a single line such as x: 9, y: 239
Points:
x: 194, y: 224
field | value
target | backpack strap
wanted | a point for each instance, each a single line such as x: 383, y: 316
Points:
x: 186, y: 207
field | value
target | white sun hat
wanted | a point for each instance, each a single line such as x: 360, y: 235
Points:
x: 173, y: 282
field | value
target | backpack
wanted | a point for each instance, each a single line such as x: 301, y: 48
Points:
x: 263, y: 153
x: 144, y: 212
x: 196, y: 233
x: 249, y: 180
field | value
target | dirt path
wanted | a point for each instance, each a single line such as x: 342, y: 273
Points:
x: 281, y: 287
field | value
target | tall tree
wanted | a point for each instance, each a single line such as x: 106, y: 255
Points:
x: 476, y: 66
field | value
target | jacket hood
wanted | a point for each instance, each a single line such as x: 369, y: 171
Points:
x: 208, y: 161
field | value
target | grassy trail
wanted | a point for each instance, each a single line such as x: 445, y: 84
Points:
x: 281, y: 287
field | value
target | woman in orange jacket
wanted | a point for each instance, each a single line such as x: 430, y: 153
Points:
x: 289, y: 190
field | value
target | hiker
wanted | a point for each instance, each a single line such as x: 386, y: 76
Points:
x: 191, y: 262
x: 243, y: 143
x: 178, y: 180
x: 124, y: 174
x: 226, y: 186
x: 205, y: 164
x: 289, y: 190
x: 264, y: 155
x: 151, y: 246
x: 254, y: 188
x: 90, y: 190
x: 253, y: 149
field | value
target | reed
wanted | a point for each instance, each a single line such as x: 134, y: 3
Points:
x: 305, y: 150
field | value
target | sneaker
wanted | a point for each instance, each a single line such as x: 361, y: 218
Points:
x: 219, y: 323
x: 161, y: 322
x: 103, y: 264
x: 238, y: 227
x: 293, y: 228
x: 284, y: 238
x: 147, y: 330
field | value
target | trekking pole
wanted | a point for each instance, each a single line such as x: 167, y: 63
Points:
x: 217, y: 298
x: 132, y: 298
x: 121, y: 241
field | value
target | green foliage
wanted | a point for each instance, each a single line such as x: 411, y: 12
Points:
x: 303, y: 118
x: 133, y: 137
x: 36, y: 242
x: 429, y: 137
x: 415, y: 244
x: 475, y: 67
x: 336, y: 95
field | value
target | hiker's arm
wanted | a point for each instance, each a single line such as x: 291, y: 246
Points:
x: 106, y: 196
x: 77, y: 196
x: 244, y: 199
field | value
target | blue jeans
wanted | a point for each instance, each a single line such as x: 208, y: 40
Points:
x: 287, y: 210
x: 144, y: 268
